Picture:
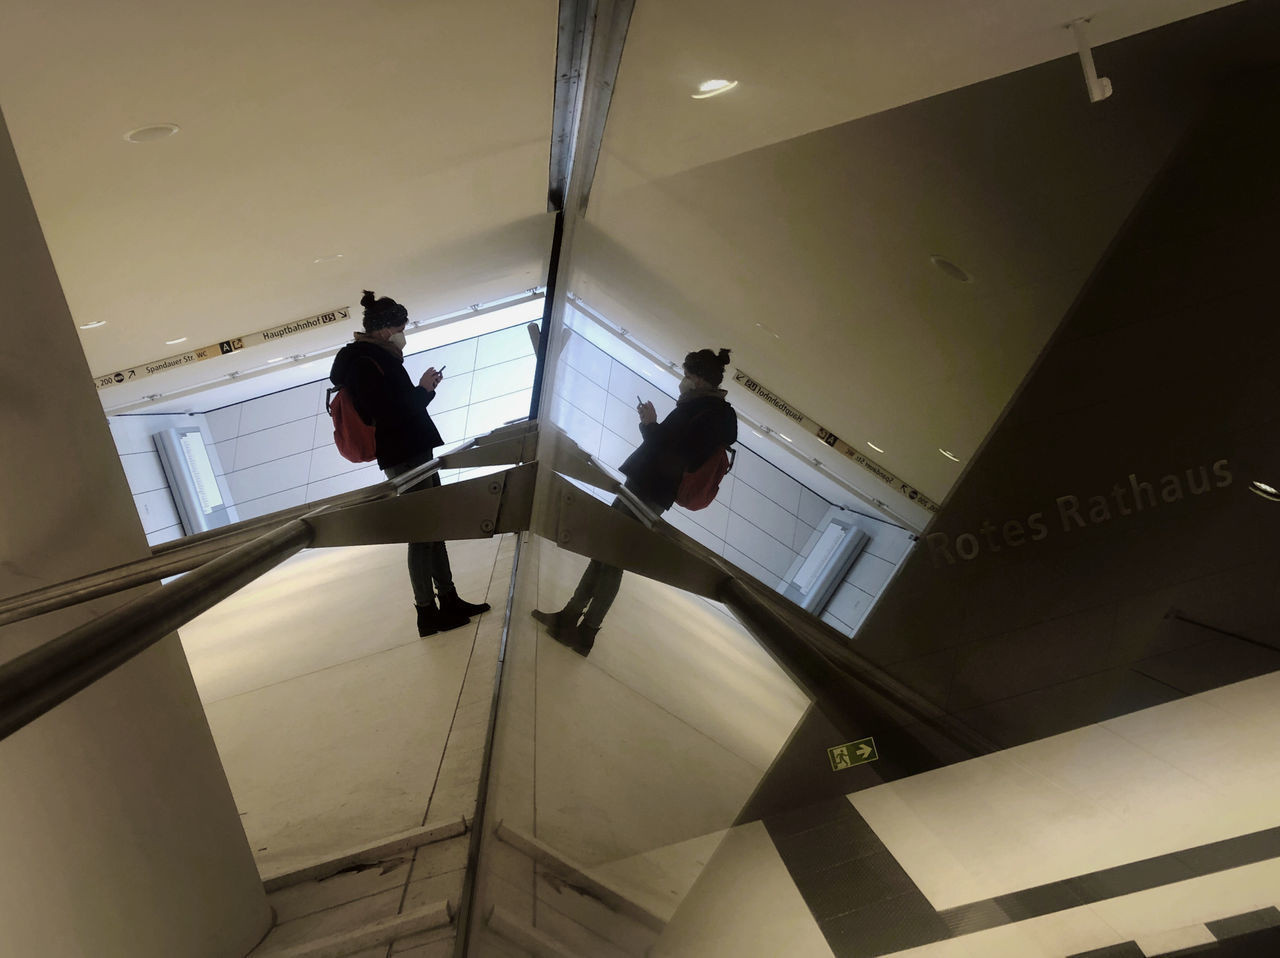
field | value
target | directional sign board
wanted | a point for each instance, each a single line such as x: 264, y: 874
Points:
x: 753, y: 386
x: 853, y: 753
x: 339, y: 315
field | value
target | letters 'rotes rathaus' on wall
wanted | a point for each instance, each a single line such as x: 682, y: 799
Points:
x: 1071, y: 512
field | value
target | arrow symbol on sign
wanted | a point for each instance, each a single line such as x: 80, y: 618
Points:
x: 864, y: 751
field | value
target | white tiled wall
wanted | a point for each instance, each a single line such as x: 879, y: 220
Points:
x: 134, y: 441
x: 277, y: 451
x: 762, y: 521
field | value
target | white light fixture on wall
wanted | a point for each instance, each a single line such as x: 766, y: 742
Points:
x: 1099, y: 87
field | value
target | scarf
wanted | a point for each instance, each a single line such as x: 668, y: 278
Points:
x: 693, y: 394
x: 392, y: 348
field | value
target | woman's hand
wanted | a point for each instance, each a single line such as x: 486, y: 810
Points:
x: 647, y: 413
x: 430, y: 379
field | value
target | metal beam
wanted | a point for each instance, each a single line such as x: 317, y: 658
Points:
x: 581, y: 523
x: 472, y: 509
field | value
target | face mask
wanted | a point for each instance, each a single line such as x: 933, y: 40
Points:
x: 398, y: 339
x: 687, y: 385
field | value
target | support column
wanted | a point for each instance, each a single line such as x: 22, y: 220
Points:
x: 119, y: 837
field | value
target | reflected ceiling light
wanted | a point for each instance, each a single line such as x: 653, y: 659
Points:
x: 278, y: 359
x: 1267, y: 492
x: 950, y: 268
x: 874, y: 446
x: 94, y: 325
x: 709, y: 88
x: 948, y: 455
x: 763, y: 328
x: 331, y: 258
x: 174, y: 342
x: 152, y: 133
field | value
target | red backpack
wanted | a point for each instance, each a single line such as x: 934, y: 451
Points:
x: 698, y: 489
x: 352, y: 435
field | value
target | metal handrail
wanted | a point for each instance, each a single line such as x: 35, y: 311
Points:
x: 183, y: 555
x: 33, y: 683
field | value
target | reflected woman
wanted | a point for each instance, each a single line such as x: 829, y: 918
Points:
x: 702, y: 423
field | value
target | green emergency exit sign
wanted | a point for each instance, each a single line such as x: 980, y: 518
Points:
x: 853, y: 753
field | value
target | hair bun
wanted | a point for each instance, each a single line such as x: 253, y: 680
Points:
x: 367, y: 299
x: 723, y: 356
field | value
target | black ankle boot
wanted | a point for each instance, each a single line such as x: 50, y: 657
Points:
x: 586, y: 640
x: 432, y: 620
x: 449, y: 602
x: 561, y: 625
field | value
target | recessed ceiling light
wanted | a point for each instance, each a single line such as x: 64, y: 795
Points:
x: 152, y: 133
x: 709, y: 88
x: 948, y: 455
x: 331, y: 258
x: 94, y: 325
x: 174, y: 342
x: 874, y: 446
x: 1264, y: 490
x: 950, y: 268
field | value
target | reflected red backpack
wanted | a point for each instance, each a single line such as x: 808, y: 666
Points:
x: 354, y: 437
x: 698, y: 489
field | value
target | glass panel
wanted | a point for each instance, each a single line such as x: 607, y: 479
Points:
x: 972, y: 307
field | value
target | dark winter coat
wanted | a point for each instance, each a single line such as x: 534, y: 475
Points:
x: 384, y: 394
x: 682, y: 442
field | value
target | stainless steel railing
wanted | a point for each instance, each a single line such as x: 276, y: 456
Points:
x: 183, y: 555
x: 35, y: 682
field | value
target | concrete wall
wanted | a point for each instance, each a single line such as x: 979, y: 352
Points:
x: 120, y: 837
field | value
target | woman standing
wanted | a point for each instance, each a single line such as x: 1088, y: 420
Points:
x: 371, y: 368
x: 701, y: 423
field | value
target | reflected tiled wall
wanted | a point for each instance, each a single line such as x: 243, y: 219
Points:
x: 763, y: 521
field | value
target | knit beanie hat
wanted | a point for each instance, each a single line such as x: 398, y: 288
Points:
x: 384, y: 313
x: 707, y: 365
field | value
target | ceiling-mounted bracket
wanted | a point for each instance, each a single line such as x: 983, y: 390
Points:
x: 1099, y: 87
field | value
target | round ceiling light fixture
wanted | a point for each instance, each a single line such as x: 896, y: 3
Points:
x: 710, y: 88
x: 950, y: 268
x: 174, y: 342
x: 874, y: 446
x: 95, y: 324
x: 948, y: 455
x: 1270, y: 493
x: 152, y: 133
